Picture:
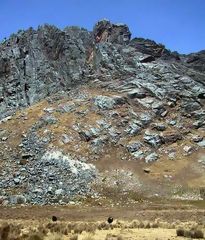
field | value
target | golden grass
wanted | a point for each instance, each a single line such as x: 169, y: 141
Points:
x: 118, y: 230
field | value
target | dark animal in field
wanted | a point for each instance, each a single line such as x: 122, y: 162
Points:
x: 110, y: 220
x: 54, y: 218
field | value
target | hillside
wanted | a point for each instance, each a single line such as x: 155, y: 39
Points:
x: 99, y: 114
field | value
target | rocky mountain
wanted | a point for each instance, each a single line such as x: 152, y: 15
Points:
x: 82, y: 112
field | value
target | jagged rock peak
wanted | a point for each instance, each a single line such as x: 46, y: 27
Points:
x: 105, y: 31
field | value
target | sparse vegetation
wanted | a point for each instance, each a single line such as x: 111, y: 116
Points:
x: 74, y: 237
x: 87, y: 230
x: 88, y: 237
x: 4, y: 231
x: 193, y: 233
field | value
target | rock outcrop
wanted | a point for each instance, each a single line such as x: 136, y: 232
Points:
x: 93, y: 95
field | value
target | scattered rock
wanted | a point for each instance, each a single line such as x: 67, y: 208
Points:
x: 153, y: 139
x: 159, y: 127
x: 134, y: 146
x: 197, y: 138
x: 136, y: 93
x: 151, y: 158
x: 201, y: 143
x: 171, y: 137
x: 17, y: 199
x: 188, y: 149
x: 147, y: 170
x: 104, y: 102
x: 138, y: 155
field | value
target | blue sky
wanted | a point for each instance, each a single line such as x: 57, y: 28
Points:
x: 179, y: 24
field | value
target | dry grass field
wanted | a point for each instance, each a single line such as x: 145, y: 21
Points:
x: 153, y: 222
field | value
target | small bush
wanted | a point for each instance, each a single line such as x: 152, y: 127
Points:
x: 35, y: 236
x: 42, y: 230
x: 155, y: 225
x: 4, y: 231
x: 198, y: 234
x: 79, y: 228
x: 190, y: 233
x: 91, y: 228
x: 141, y: 225
x: 119, y: 237
x: 74, y: 237
x: 134, y: 224
x: 147, y: 224
x: 180, y: 232
x: 113, y: 237
x: 103, y: 226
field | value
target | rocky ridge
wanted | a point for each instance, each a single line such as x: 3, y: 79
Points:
x: 95, y: 96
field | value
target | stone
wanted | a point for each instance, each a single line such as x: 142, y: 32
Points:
x: 172, y: 155
x: 104, y: 102
x: 17, y: 199
x: 134, y: 146
x: 4, y: 139
x: 133, y: 129
x: 197, y: 138
x: 171, y: 137
x: 67, y: 107
x: 151, y: 157
x: 138, y: 155
x: 201, y: 143
x: 173, y: 122
x: 147, y: 170
x: 17, y: 180
x: 48, y: 110
x: 90, y: 134
x: 59, y: 192
x: 159, y: 127
x: 66, y: 139
x: 153, y: 139
x: 146, y: 59
x: 49, y: 119
x: 136, y: 93
x: 188, y: 149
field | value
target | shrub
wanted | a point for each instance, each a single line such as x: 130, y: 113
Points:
x: 79, y: 228
x: 42, y: 230
x: 91, y: 228
x: 198, y: 233
x: 35, y: 236
x: 74, y: 237
x: 119, y: 237
x: 190, y: 233
x: 141, y: 225
x: 4, y: 231
x: 134, y: 224
x: 202, y: 192
x: 155, y: 225
x: 103, y: 226
x: 180, y: 232
x: 113, y: 236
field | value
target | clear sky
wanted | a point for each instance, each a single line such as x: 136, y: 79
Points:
x: 179, y: 24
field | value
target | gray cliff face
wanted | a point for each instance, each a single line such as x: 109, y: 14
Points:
x: 35, y: 64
